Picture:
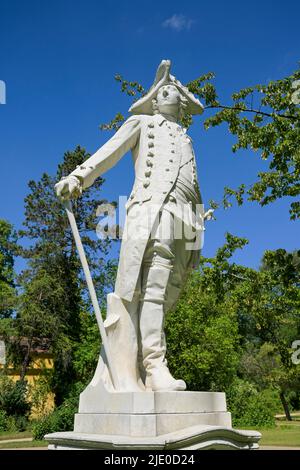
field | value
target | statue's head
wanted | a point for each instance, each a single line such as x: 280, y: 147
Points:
x: 167, y: 95
x: 169, y: 100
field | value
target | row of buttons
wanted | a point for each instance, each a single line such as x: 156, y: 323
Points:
x: 170, y: 159
x: 150, y: 154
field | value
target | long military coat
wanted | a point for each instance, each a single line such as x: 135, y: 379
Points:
x: 158, y: 147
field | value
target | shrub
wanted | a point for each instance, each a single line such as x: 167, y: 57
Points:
x: 13, y: 404
x: 12, y: 423
x: 13, y: 397
x: 18, y: 423
x: 43, y: 426
x: 41, y: 396
x: 250, y: 407
x: 203, y: 339
x: 3, y: 421
x: 60, y: 419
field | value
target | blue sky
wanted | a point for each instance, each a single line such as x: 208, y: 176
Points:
x: 58, y: 60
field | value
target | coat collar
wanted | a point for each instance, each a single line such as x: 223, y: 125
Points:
x: 160, y: 119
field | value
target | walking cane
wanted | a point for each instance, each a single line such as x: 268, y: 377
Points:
x: 90, y: 284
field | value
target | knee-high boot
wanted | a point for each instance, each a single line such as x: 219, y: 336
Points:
x: 154, y: 285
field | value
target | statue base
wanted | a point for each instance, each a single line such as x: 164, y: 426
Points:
x: 192, y: 438
x: 153, y: 421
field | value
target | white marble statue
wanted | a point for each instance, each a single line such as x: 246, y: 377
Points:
x: 165, y: 201
x: 133, y: 402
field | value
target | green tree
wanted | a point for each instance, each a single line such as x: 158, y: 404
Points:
x: 7, y: 275
x: 87, y: 349
x: 267, y: 303
x: 53, y: 292
x: 265, y: 119
x: 203, y: 331
x: 264, y: 367
x: 233, y: 321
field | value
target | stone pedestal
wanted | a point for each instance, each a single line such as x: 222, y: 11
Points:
x: 151, y: 414
x: 153, y: 420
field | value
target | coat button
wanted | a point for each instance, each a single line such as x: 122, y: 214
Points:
x: 151, y: 135
x: 149, y: 162
x: 147, y: 172
x: 150, y: 144
x: 167, y: 169
x: 171, y: 160
x: 151, y: 124
x: 172, y: 198
x: 146, y: 184
x: 150, y: 154
x: 172, y: 151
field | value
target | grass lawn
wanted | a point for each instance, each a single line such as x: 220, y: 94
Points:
x: 285, y: 434
x: 4, y: 435
x: 23, y: 444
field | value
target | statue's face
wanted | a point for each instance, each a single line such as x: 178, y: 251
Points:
x: 168, y: 99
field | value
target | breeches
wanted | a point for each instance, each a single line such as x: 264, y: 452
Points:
x: 167, y: 260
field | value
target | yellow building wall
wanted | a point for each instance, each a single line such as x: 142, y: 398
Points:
x: 36, y: 376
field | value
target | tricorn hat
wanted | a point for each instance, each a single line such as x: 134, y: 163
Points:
x: 163, y: 77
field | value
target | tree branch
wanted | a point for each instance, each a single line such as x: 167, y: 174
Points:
x: 256, y: 111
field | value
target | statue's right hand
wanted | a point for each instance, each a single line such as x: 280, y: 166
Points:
x: 68, y: 188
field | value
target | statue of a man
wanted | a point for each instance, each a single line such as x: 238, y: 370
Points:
x: 154, y: 259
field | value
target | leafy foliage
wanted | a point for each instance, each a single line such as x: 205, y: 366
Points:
x: 3, y: 421
x: 202, y: 333
x: 265, y: 118
x: 249, y: 407
x: 52, y: 289
x: 7, y: 284
x: 202, y: 339
x: 13, y: 396
x: 86, y: 351
x: 235, y: 321
x: 61, y: 419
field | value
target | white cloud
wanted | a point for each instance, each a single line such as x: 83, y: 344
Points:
x: 178, y: 22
